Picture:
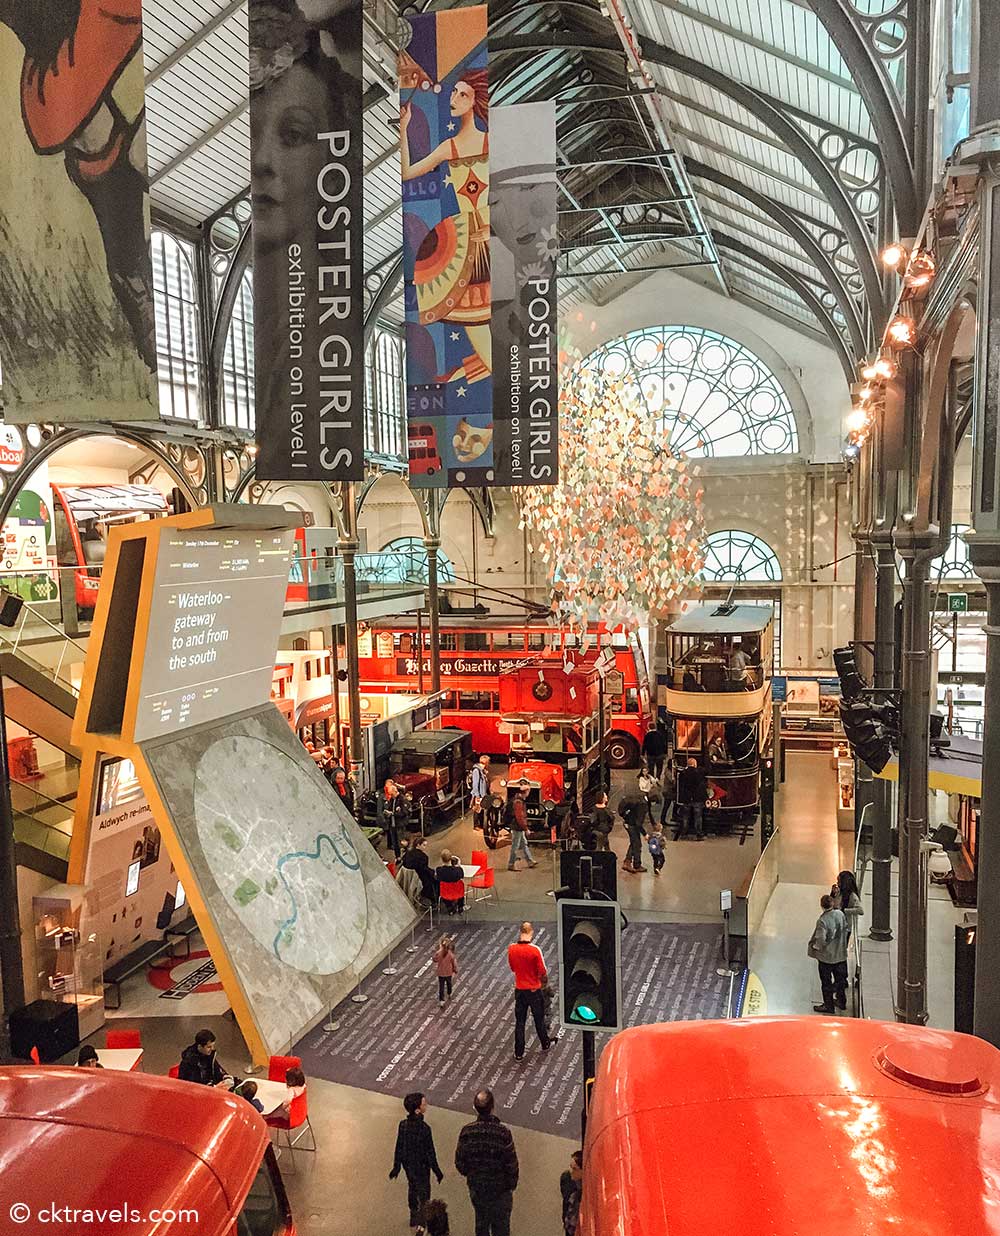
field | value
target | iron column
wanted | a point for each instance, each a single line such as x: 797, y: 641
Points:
x: 432, y: 544
x: 11, y: 970
x: 885, y: 606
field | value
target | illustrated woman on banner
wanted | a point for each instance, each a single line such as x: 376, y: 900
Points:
x: 452, y: 267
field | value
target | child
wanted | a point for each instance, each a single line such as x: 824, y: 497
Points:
x: 446, y: 965
x: 248, y: 1090
x: 457, y: 862
x: 655, y: 843
x: 295, y: 1080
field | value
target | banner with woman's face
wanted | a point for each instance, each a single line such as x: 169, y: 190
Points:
x: 445, y: 167
x: 306, y: 183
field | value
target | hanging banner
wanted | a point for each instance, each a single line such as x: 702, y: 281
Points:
x: 305, y: 178
x: 523, y: 251
x: 444, y: 158
x: 77, y: 331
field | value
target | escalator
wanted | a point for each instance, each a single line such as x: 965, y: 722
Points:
x: 39, y: 665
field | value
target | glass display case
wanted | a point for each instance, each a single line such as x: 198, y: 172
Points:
x: 68, y: 958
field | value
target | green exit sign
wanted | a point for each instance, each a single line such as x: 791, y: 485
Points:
x: 958, y: 603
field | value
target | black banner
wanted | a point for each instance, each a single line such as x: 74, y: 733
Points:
x: 306, y: 168
x: 523, y: 249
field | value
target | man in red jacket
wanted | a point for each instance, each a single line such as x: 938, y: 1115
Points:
x: 530, y: 976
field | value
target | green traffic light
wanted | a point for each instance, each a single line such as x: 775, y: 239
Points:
x: 588, y: 1011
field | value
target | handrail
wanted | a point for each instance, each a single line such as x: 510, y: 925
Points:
x: 16, y: 643
x: 45, y: 798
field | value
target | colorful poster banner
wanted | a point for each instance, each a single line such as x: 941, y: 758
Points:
x: 306, y: 183
x: 445, y: 162
x: 523, y: 251
x: 77, y: 329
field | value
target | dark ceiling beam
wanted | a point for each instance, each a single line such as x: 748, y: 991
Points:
x: 797, y: 231
x: 843, y: 206
x: 869, y: 71
x: 801, y: 289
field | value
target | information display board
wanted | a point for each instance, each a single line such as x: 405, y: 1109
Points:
x: 215, y: 618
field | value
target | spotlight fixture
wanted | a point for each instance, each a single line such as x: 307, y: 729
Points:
x: 851, y: 450
x: 902, y: 333
x: 921, y: 270
x: 894, y: 256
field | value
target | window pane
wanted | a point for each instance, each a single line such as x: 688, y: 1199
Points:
x: 178, y: 341
x: 710, y: 393
x: 237, y: 363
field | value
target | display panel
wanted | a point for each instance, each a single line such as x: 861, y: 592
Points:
x: 203, y: 658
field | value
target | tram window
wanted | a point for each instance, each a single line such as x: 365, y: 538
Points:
x: 509, y: 639
x: 448, y: 642
x: 571, y: 641
x: 404, y: 643
x: 475, y: 641
x: 475, y: 701
x: 632, y: 699
x: 449, y: 701
x: 326, y: 666
x: 536, y: 642
x: 688, y: 735
x: 309, y: 667
x: 619, y: 639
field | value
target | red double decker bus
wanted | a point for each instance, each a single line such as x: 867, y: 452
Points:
x: 475, y: 653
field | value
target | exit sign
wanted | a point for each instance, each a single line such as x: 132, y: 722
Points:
x: 958, y: 603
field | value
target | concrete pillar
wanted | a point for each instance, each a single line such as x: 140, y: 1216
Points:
x: 347, y: 550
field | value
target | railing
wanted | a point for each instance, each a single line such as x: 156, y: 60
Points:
x: 713, y: 676
x: 40, y: 821
x: 45, y: 640
x: 862, y: 860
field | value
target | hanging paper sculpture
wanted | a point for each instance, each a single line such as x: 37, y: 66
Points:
x: 621, y: 534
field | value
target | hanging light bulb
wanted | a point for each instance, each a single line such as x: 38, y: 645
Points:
x: 893, y: 256
x: 869, y: 372
x: 921, y: 270
x: 857, y: 420
x: 901, y: 332
x: 865, y: 393
x: 885, y: 368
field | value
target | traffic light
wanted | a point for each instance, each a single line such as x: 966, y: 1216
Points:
x: 590, y: 955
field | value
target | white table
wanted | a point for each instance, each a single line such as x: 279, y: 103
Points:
x: 469, y: 870
x: 121, y: 1059
x: 271, y: 1094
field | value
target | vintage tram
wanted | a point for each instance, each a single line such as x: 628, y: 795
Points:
x: 718, y: 704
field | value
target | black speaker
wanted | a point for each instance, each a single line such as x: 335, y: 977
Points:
x: 946, y: 837
x: 10, y: 608
x: 49, y: 1025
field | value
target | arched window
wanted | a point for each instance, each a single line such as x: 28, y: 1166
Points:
x: 178, y: 343
x: 740, y: 557
x: 403, y: 561
x: 712, y: 394
x: 954, y: 562
x: 385, y: 407
x: 237, y: 361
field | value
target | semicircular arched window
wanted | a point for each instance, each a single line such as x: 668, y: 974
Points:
x: 954, y: 563
x: 712, y: 394
x: 403, y: 561
x: 740, y: 557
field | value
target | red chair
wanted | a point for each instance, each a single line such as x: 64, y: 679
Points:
x: 485, y: 879
x: 452, y: 892
x: 278, y: 1066
x: 123, y: 1038
x: 480, y: 859
x: 174, y: 1071
x: 297, y: 1118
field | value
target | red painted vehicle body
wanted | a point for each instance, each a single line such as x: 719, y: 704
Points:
x: 474, y: 654
x: 793, y: 1127
x: 96, y: 1140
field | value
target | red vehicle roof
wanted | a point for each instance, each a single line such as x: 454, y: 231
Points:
x: 95, y: 1138
x: 794, y: 1127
